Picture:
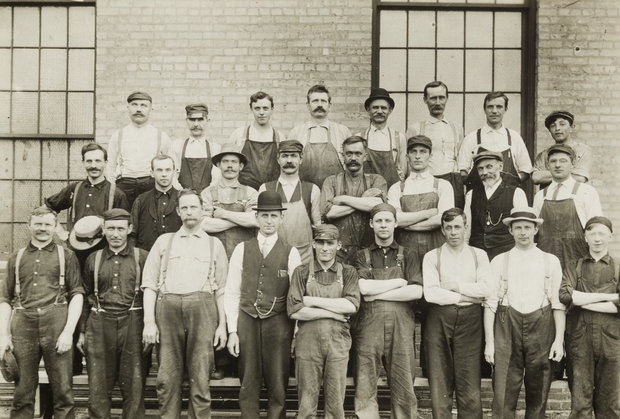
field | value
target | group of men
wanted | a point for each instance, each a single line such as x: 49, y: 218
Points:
x: 327, y: 245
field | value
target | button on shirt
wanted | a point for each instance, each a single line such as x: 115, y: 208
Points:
x: 526, y: 281
x: 39, y: 272
x: 386, y: 257
x: 460, y: 268
x: 189, y: 264
x: 445, y: 143
x: 587, y: 201
x: 196, y: 148
x: 228, y: 195
x: 418, y: 183
x: 238, y: 136
x: 232, y: 297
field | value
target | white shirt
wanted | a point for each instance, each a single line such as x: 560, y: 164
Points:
x: 232, y: 295
x: 446, y: 137
x: 238, y: 136
x: 459, y: 268
x: 587, y: 201
x: 379, y: 140
x: 288, y: 186
x: 321, y: 133
x: 196, y: 148
x: 526, y: 281
x: 418, y: 183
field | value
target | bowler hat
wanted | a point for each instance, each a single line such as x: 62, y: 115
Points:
x: 139, y: 96
x: 229, y: 148
x: 8, y: 367
x: 269, y: 201
x: 522, y: 214
x: 86, y: 233
x: 379, y: 94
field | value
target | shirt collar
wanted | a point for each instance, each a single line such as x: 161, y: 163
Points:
x: 271, y: 240
x: 235, y: 185
x: 293, y: 182
x: 432, y: 120
x: 333, y: 268
x: 423, y: 175
x: 570, y: 182
x: 49, y: 247
x: 184, y: 233
x: 606, y: 259
x: 99, y: 185
x: 385, y: 131
x: 392, y: 245
x: 494, y: 186
x: 159, y: 193
x: 487, y: 129
x: 324, y: 124
x: 200, y: 140
x: 110, y: 253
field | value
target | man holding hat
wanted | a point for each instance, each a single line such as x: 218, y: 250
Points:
x: 185, y: 273
x: 523, y: 320
x: 192, y: 155
x: 590, y: 289
x: 43, y: 291
x: 259, y: 330
x: 132, y: 147
x: 112, y: 321
x: 321, y: 138
x: 561, y: 124
x: 385, y: 146
x: 347, y: 198
x: 322, y: 297
x: 487, y: 204
x: 259, y: 142
x: 446, y: 136
x: 301, y: 199
x: 390, y: 279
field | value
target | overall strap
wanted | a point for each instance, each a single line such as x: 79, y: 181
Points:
x: 75, y: 193
x: 158, y: 142
x: 276, y: 138
x: 439, y: 262
x: 243, y: 189
x: 184, y: 147
x: 575, y: 188
x: 367, y: 134
x: 61, y: 279
x: 367, y: 256
x: 18, y: 290
x: 211, y: 272
x: 545, y: 191
x: 339, y: 276
x: 400, y: 256
x: 96, y: 278
x: 509, y: 138
x: 475, y: 256
x: 435, y: 185
x: 311, y: 276
x: 111, y: 195
x: 138, y: 281
x: 457, y: 141
x: 422, y: 127
x: 214, y: 194
x: 119, y: 141
x: 616, y: 263
x: 579, y: 267
x: 247, y: 133
x: 479, y: 136
x: 402, y: 188
x: 166, y: 259
x: 504, y: 277
x: 208, y: 149
x: 547, y: 282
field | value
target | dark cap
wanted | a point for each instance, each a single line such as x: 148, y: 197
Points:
x: 326, y: 232
x: 116, y: 214
x: 139, y: 96
x: 559, y: 114
x: 484, y: 155
x: 419, y: 140
x: 599, y: 219
x: 290, y: 146
x: 379, y: 94
x: 197, y: 110
x: 269, y: 201
x: 8, y: 367
x: 229, y: 148
x: 561, y: 148
x: 380, y: 208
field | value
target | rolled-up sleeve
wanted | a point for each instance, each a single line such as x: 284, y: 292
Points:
x: 73, y: 277
x: 151, y: 273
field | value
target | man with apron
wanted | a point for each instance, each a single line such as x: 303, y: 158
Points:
x: 259, y: 330
x: 322, y: 297
x: 154, y: 212
x: 561, y: 124
x: 347, y: 198
x: 390, y: 279
x: 493, y: 136
x: 590, y: 288
x: 132, y: 147
x: 446, y: 136
x: 185, y: 274
x: 192, y: 155
x: 259, y: 143
x: 322, y: 139
x: 112, y: 321
x: 385, y: 146
x: 457, y: 278
x: 301, y: 199
x: 40, y: 305
x: 523, y: 320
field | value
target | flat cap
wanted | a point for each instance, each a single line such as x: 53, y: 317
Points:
x: 139, y: 96
x: 326, y: 232
x: 290, y: 146
x: 559, y: 114
x: 599, y: 219
x: 561, y: 148
x: 419, y: 140
x: 197, y: 110
x: 380, y: 208
x: 484, y: 155
x: 116, y: 214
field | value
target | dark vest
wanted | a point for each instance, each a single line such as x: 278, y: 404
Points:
x: 264, y: 275
x: 149, y: 229
x: 487, y: 225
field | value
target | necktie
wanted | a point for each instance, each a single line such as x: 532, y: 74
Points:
x: 555, y: 194
x: 264, y: 249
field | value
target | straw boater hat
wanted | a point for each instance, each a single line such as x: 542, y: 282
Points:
x: 229, y: 148
x: 523, y: 214
x: 269, y: 201
x: 86, y: 233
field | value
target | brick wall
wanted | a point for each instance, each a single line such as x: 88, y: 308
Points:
x: 578, y: 70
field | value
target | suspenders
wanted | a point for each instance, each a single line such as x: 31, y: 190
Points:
x: 276, y: 138
x: 435, y: 186
x: 119, y: 141
x: 504, y: 278
x: 615, y: 262
x: 473, y: 253
x: 61, y: 280
x: 457, y: 141
x: 312, y: 275
x: 241, y: 191
x: 400, y: 257
x: 136, y: 256
x: 75, y: 194
x: 573, y: 192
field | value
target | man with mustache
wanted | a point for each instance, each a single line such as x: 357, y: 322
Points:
x: 446, y: 136
x: 561, y: 125
x: 154, y: 212
x: 322, y: 139
x: 132, y: 147
x: 385, y: 149
x: 494, y: 136
x: 259, y: 142
x: 348, y: 197
x: 192, y: 155
x: 301, y: 199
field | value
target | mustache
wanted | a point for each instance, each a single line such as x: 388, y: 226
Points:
x: 289, y: 165
x: 319, y: 108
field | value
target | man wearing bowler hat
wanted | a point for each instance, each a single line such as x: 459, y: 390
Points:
x: 43, y: 290
x: 259, y: 330
x: 192, y: 155
x: 386, y: 150
x: 132, y: 147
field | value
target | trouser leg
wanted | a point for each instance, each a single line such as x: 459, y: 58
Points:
x: 132, y: 371
x: 580, y: 367
x: 276, y: 338
x: 439, y: 338
x: 309, y: 365
x: 25, y: 334
x: 102, y: 351
x: 538, y: 336
x: 250, y: 365
x: 368, y: 336
x: 467, y: 349
x: 335, y: 383
x: 607, y: 376
x: 508, y: 372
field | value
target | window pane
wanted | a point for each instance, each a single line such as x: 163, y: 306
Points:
x: 422, y: 29
x: 393, y: 28
x: 82, y: 27
x: 55, y: 162
x: 397, y: 117
x: 479, y: 29
x: 80, y: 118
x: 510, y: 1
x: 6, y: 189
x: 507, y: 30
x: 27, y: 196
x: 450, y: 68
x: 54, y: 27
x: 474, y: 112
x: 6, y: 27
x: 53, y: 69
x: 417, y: 108
x: 81, y: 69
x: 25, y: 69
x: 421, y: 68
x: 454, y: 108
x: 28, y: 154
x: 450, y: 29
x: 5, y: 69
x: 512, y: 117
x: 392, y: 71
x: 5, y: 113
x: 478, y: 70
x: 25, y: 112
x: 53, y: 113
x: 26, y: 31
x: 76, y: 167
x: 507, y: 70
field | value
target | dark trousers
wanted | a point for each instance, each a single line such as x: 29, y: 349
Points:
x: 383, y: 335
x: 264, y: 354
x: 522, y: 345
x: 114, y: 352
x: 35, y: 332
x: 134, y: 186
x: 453, y: 345
x: 187, y: 324
x: 321, y: 357
x: 593, y: 346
